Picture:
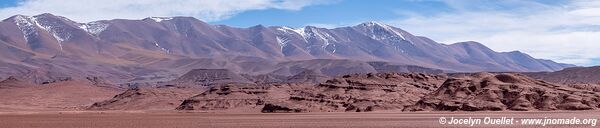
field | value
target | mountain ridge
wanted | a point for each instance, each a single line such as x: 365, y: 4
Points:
x: 125, y: 49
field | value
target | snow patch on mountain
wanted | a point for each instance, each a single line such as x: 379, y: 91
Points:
x: 310, y: 32
x: 161, y: 48
x: 26, y: 27
x: 334, y: 48
x: 299, y: 31
x: 160, y: 19
x: 282, y: 41
x: 379, y: 31
x: 94, y: 28
x: 56, y: 30
x: 315, y: 33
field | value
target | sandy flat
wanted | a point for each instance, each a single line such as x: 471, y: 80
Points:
x: 133, y: 119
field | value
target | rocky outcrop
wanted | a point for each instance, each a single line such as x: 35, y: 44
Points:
x: 366, y: 92
x: 236, y: 96
x: 164, y: 98
x: 355, y: 93
x: 504, y: 91
x: 369, y: 92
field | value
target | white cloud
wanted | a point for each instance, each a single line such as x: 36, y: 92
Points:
x: 567, y: 33
x: 208, y: 10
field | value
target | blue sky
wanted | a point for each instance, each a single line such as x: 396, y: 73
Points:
x: 337, y: 12
x: 566, y: 31
x: 342, y: 13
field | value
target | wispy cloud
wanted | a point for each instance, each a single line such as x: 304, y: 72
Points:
x: 566, y: 32
x: 209, y: 10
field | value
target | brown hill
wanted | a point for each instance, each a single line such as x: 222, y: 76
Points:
x: 586, y: 78
x: 307, y: 76
x: 266, y: 78
x: 575, y: 75
x: 63, y: 95
x: 13, y: 82
x: 208, y: 77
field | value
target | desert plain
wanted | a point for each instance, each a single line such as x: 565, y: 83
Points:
x: 174, y: 119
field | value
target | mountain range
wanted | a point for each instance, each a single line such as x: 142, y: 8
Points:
x: 46, y: 48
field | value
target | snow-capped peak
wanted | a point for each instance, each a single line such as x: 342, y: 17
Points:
x: 289, y: 30
x: 29, y: 26
x: 160, y: 19
x: 373, y: 23
x: 380, y: 31
x: 299, y: 31
x: 307, y: 32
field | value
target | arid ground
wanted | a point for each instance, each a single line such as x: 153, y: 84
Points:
x: 139, y: 119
